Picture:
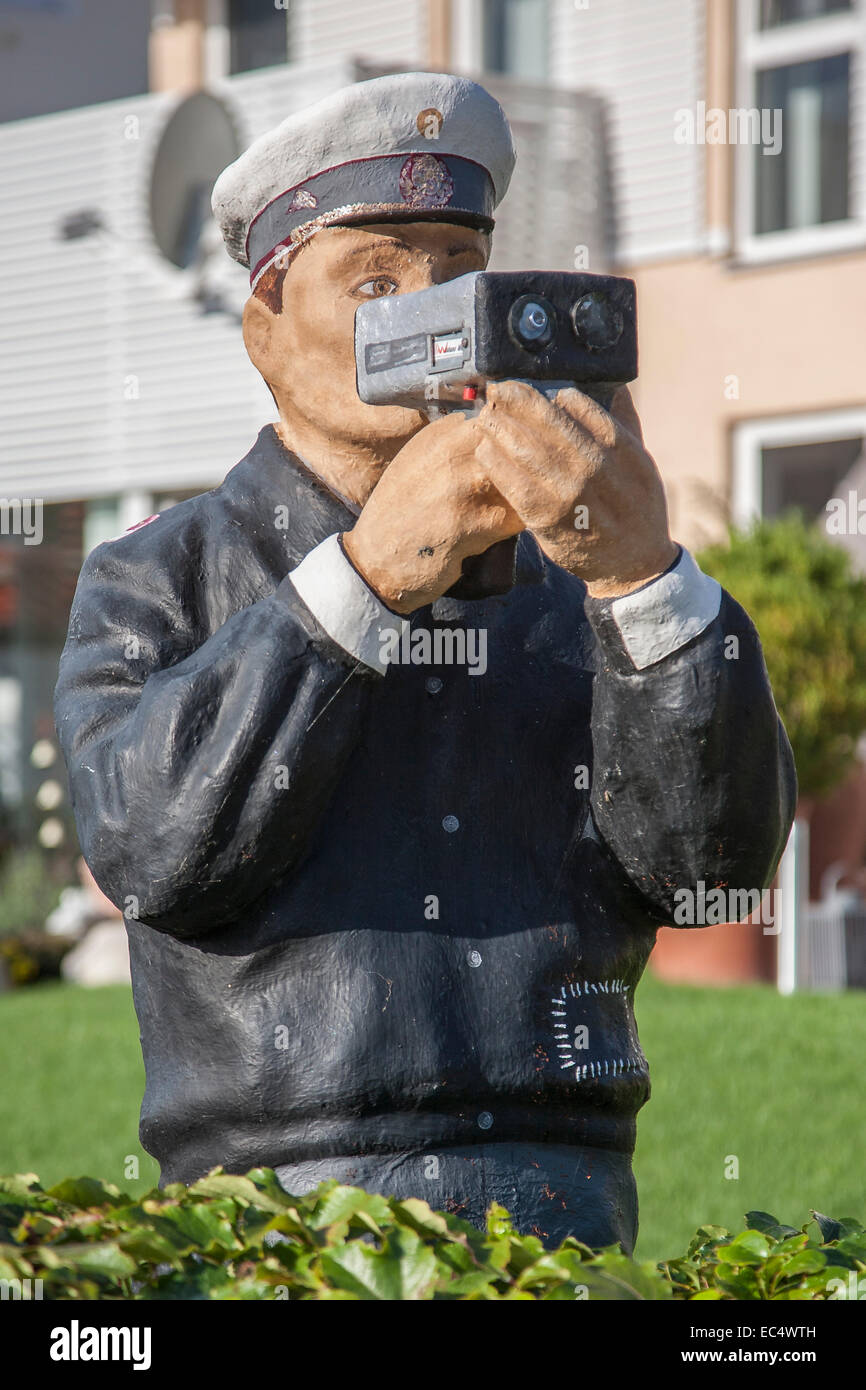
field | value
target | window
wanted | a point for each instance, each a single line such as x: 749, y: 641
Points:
x: 807, y: 182
x: 799, y: 66
x: 37, y: 585
x: 801, y: 461
x: 775, y: 12
x: 805, y: 476
x: 259, y: 34
x: 515, y: 38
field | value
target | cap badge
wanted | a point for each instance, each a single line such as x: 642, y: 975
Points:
x: 425, y: 182
x: 301, y: 198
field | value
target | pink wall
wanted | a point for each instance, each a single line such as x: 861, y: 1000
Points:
x: 791, y: 334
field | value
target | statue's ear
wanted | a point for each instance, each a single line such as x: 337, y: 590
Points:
x: 258, y: 324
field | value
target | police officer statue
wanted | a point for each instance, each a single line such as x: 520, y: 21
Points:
x: 387, y: 914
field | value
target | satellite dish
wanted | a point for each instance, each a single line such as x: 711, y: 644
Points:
x: 196, y: 145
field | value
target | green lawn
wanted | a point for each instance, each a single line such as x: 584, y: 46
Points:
x: 72, y: 1084
x: 778, y: 1083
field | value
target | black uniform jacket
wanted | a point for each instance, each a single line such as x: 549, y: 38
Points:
x: 375, y: 913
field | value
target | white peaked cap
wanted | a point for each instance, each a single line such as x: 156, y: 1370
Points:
x: 411, y: 146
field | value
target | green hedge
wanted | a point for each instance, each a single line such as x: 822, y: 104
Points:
x: 800, y: 590
x: 229, y: 1237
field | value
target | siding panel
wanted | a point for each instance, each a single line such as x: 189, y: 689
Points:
x: 111, y: 377
x: 385, y: 31
x: 646, y: 61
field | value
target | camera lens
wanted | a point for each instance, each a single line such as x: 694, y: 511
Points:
x: 597, y: 323
x: 532, y: 322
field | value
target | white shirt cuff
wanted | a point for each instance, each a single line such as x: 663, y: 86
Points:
x: 668, y: 612
x: 345, y: 606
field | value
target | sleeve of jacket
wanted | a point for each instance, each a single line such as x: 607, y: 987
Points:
x: 693, y: 775
x: 199, y: 769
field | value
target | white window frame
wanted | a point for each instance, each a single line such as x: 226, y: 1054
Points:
x: 217, y: 41
x: 787, y: 44
x: 777, y: 431
x: 467, y: 36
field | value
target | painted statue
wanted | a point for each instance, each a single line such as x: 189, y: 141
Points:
x: 388, y: 901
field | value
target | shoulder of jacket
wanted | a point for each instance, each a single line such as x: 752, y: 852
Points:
x: 169, y: 538
x: 161, y: 564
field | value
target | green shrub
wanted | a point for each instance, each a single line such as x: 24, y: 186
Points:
x: 27, y: 891
x: 86, y: 1240
x: 810, y: 612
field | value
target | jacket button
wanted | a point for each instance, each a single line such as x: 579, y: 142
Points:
x: 473, y: 957
x: 485, y: 1119
x: 450, y: 823
x: 433, y: 684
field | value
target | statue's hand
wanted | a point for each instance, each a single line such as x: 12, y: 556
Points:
x: 581, y: 481
x: 433, y: 506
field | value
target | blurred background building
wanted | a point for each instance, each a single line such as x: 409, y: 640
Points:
x: 124, y: 384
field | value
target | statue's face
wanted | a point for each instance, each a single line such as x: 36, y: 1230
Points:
x: 307, y: 353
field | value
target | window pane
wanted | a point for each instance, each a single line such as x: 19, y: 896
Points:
x: 515, y: 38
x: 806, y: 183
x: 101, y: 522
x: 775, y: 12
x: 806, y: 475
x: 37, y: 585
x: 259, y: 34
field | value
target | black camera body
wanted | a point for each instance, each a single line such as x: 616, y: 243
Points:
x: 434, y: 350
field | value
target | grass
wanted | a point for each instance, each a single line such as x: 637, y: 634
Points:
x: 775, y: 1083
x: 73, y: 1079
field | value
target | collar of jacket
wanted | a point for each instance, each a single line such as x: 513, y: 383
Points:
x: 325, y: 512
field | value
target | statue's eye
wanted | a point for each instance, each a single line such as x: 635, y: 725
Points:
x: 376, y: 288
